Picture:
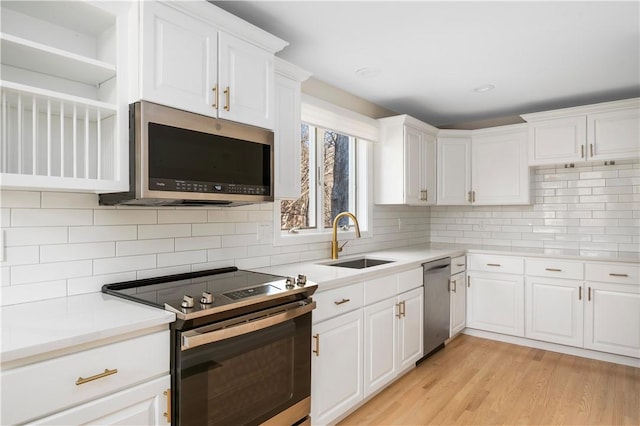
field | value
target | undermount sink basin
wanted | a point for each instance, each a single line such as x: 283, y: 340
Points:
x: 360, y: 263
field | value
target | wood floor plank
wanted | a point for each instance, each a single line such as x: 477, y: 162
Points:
x: 475, y: 381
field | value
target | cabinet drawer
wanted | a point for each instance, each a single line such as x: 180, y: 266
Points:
x: 337, y: 301
x: 378, y: 289
x: 493, y: 263
x: 458, y: 264
x: 613, y: 273
x: 408, y: 280
x: 554, y: 269
x: 50, y: 386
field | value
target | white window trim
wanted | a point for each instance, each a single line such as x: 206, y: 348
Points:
x: 326, y: 115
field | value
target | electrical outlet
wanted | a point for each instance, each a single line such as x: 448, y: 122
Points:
x: 264, y: 232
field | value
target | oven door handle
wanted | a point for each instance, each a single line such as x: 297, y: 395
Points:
x: 194, y: 338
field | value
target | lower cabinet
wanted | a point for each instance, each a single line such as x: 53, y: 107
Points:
x: 336, y: 366
x: 612, y: 318
x: 393, y: 338
x: 146, y: 404
x: 495, y: 302
x: 458, y: 308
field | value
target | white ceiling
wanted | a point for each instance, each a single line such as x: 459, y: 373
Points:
x: 431, y: 55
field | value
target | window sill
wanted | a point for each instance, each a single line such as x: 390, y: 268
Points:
x: 286, y: 239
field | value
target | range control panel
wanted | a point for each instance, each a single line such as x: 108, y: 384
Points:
x: 156, y: 184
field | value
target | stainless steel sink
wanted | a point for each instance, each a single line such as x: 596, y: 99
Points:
x: 361, y: 263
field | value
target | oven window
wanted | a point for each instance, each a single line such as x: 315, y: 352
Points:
x: 246, y: 379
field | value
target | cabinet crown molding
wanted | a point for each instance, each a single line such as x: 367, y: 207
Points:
x: 582, y: 110
x: 404, y: 119
x: 290, y: 70
x: 229, y: 23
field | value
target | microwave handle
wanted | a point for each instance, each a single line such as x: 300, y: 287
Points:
x: 194, y: 338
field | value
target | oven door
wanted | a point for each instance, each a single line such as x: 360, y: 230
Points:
x: 246, y: 371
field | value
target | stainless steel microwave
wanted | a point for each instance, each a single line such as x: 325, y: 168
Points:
x: 181, y: 158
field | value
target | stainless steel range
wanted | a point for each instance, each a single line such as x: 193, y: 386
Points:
x: 241, y: 352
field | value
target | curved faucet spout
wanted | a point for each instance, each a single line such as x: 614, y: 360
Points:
x: 335, y: 248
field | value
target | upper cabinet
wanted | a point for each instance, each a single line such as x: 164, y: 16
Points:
x: 405, y: 160
x: 63, y: 90
x: 192, y: 58
x: 287, y: 135
x: 607, y: 131
x: 483, y: 167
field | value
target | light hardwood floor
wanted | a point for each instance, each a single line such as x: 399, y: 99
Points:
x: 475, y: 381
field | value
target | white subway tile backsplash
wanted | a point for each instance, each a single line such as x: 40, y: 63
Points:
x: 25, y: 255
x: 196, y: 243
x: 49, y: 271
x: 50, y: 217
x: 182, y: 216
x: 158, y: 272
x: 79, y: 251
x: 87, y: 234
x: 129, y: 248
x: 5, y: 276
x: 12, y: 295
x: 69, y: 200
x: 182, y: 258
x: 147, y: 232
x: 123, y: 264
x: 125, y: 217
x: 93, y: 284
x: 223, y: 254
x: 35, y: 236
x: 205, y: 229
x: 20, y: 199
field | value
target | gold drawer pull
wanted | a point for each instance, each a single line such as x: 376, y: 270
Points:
x: 167, y: 414
x: 227, y: 95
x: 316, y: 351
x: 460, y: 264
x: 340, y: 302
x: 215, y: 96
x: 553, y: 269
x: 493, y: 264
x: 618, y: 275
x: 107, y: 372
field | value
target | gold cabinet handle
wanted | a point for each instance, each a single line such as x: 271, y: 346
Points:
x: 468, y: 281
x: 340, y: 302
x: 404, y: 308
x: 167, y: 413
x: 553, y: 269
x: 227, y: 97
x: 582, y: 151
x: 107, y: 372
x: 473, y: 196
x: 316, y: 351
x: 494, y: 264
x: 469, y: 196
x: 455, y: 286
x: 618, y: 275
x: 589, y: 295
x: 579, y: 293
x: 399, y: 306
x: 215, y: 96
x: 426, y: 195
x: 591, y: 150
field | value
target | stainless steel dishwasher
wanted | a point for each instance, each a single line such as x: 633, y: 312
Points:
x: 436, y: 305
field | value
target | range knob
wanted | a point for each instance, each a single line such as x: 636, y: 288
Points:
x: 207, y: 298
x: 187, y: 301
x: 302, y: 280
x: 289, y: 283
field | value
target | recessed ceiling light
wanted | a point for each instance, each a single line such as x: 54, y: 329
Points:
x: 368, y: 72
x: 484, y: 88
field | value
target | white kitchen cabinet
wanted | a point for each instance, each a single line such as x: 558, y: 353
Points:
x: 191, y: 61
x: 454, y: 168
x: 64, y: 109
x: 287, y: 132
x: 405, y: 162
x: 88, y: 384
x: 495, y: 302
x: 606, y: 131
x: 612, y: 310
x: 458, y: 308
x: 483, y: 167
x: 147, y: 404
x: 393, y: 338
x: 336, y: 366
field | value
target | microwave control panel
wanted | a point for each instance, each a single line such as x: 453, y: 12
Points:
x: 156, y: 184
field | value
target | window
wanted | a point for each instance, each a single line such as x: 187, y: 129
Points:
x: 328, y: 173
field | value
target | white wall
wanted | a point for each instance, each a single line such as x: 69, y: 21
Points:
x: 594, y: 209
x: 60, y: 244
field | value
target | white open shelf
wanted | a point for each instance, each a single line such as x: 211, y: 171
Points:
x: 33, y: 56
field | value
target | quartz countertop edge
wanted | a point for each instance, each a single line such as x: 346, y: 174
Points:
x: 47, y: 326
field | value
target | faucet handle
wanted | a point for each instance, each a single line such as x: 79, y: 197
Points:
x: 340, y: 248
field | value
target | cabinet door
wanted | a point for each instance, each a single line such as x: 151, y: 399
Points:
x: 454, y: 171
x: 380, y: 344
x: 500, y: 174
x: 336, y: 366
x: 495, y: 302
x: 554, y: 310
x: 179, y: 59
x: 614, y: 135
x: 612, y: 318
x: 410, y: 330
x: 413, y: 166
x: 458, y: 310
x: 555, y: 141
x: 287, y: 138
x: 246, y: 82
x: 141, y: 405
x: 428, y: 169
